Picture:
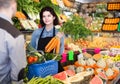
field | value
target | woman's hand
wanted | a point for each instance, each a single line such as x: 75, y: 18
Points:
x: 60, y: 34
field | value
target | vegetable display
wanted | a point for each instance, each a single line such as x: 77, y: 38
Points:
x: 78, y: 25
x: 30, y: 6
x: 110, y: 27
x: 76, y: 28
x: 46, y: 80
x: 114, y: 6
x: 112, y: 20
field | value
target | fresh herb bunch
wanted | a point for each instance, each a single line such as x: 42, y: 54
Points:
x: 76, y: 28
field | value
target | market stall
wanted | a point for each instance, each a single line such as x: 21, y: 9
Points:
x: 92, y: 42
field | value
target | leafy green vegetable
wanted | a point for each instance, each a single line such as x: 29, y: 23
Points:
x: 101, y: 6
x: 44, y: 3
x: 16, y: 23
x: 52, y: 56
x: 76, y: 28
x: 46, y: 80
x: 28, y: 6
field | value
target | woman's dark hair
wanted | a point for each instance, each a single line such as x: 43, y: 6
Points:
x: 51, y: 10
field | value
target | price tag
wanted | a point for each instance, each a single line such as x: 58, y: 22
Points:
x: 64, y: 58
x: 71, y: 55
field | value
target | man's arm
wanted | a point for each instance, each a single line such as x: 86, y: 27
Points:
x: 17, y: 55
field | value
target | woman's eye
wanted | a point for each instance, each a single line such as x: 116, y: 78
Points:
x: 43, y: 16
x: 49, y: 15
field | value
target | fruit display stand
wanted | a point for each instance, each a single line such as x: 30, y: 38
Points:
x: 94, y: 64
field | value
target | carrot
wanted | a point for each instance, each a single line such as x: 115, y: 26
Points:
x: 49, y: 44
x: 52, y: 46
x: 58, y: 45
x: 20, y: 15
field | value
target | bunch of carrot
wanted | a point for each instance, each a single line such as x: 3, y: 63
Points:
x: 53, y: 44
x: 20, y: 15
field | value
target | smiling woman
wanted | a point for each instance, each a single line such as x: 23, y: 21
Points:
x: 48, y: 18
x: 48, y: 11
x: 42, y: 36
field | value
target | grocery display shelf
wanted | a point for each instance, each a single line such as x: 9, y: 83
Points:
x: 113, y: 6
x: 114, y: 34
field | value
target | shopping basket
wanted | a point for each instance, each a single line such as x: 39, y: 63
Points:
x: 42, y: 70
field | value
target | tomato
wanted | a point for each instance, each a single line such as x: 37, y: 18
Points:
x: 30, y: 59
x: 35, y: 58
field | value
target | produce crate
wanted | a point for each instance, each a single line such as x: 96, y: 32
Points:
x: 42, y: 70
x: 109, y: 27
x: 111, y: 20
x: 113, y: 6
